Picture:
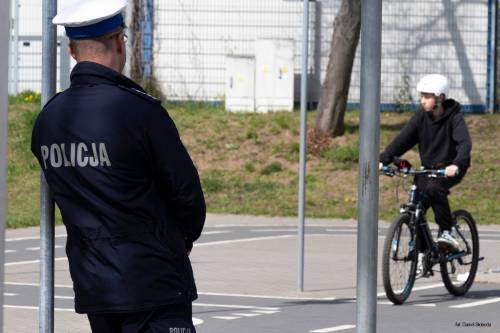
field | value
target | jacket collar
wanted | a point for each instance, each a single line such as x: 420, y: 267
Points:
x: 450, y: 107
x: 91, y: 73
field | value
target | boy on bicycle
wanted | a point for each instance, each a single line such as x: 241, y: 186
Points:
x: 443, y: 141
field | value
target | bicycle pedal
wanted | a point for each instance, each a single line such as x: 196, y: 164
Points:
x: 428, y: 274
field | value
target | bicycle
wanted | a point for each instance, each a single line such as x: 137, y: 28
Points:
x: 410, y: 234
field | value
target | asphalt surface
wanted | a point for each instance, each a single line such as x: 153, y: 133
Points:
x: 245, y: 269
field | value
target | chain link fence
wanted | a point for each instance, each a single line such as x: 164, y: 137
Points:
x: 25, y: 61
x: 192, y: 39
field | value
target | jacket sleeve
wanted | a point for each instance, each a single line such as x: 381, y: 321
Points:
x: 404, y: 141
x: 177, y: 176
x: 461, y: 137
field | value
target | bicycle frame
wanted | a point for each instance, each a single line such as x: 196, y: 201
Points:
x: 423, y: 234
x: 415, y: 208
x: 418, y: 238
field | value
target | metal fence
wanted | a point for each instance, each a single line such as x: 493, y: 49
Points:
x: 25, y: 56
x: 193, y: 37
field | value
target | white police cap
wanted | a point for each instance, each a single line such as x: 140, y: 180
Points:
x: 91, y: 18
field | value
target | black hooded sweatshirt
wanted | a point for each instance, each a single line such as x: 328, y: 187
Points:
x: 442, y: 141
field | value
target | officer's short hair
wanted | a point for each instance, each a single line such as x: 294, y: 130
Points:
x: 94, y: 45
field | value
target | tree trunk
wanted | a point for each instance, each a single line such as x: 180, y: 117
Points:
x: 135, y: 29
x: 335, y: 89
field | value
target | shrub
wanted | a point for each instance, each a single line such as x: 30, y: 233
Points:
x: 271, y: 168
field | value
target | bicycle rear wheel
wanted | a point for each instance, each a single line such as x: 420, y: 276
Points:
x: 458, y: 269
x: 399, y: 261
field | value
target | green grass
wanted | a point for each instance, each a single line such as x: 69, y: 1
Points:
x: 248, y: 164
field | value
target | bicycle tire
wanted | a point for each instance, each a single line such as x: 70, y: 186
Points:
x: 398, y: 293
x: 459, y: 284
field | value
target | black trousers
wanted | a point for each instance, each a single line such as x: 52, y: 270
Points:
x: 434, y: 193
x: 176, y: 318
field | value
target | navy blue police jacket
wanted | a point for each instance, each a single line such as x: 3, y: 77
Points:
x: 129, y: 194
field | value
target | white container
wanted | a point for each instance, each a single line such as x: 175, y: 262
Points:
x: 275, y: 68
x: 240, y: 84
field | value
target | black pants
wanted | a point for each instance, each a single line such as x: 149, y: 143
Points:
x: 434, y: 193
x: 167, y: 319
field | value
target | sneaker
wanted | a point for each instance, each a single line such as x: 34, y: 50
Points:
x: 420, y: 265
x: 446, y: 240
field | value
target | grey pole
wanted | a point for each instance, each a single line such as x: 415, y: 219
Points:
x: 303, y: 145
x: 371, y: 35
x: 64, y: 63
x: 129, y: 11
x: 49, y: 67
x: 15, y: 46
x: 4, y: 60
x: 492, y: 56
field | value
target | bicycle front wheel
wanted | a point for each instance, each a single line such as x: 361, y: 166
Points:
x: 458, y: 269
x: 399, y: 261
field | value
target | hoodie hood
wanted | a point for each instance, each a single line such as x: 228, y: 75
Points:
x: 450, y: 107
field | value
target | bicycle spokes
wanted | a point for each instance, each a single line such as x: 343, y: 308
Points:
x: 399, y: 258
x: 458, y: 268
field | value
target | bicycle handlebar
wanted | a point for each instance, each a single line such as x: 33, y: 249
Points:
x: 432, y: 173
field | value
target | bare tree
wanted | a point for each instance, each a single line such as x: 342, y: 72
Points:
x: 135, y: 29
x: 335, y: 89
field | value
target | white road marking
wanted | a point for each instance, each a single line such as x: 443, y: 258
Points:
x: 36, y: 284
x: 197, y: 321
x: 266, y: 311
x: 64, y: 297
x: 234, y: 306
x: 10, y: 294
x: 33, y: 248
x: 430, y: 305
x: 432, y: 286
x: 478, y: 303
x: 9, y: 251
x: 216, y: 232
x: 241, y: 240
x: 16, y: 263
x: 225, y: 317
x: 283, y: 225
x: 488, y: 236
x: 269, y: 296
x: 341, y: 230
x: 246, y: 314
x: 334, y: 329
x: 273, y: 230
x: 35, y: 308
x: 30, y: 238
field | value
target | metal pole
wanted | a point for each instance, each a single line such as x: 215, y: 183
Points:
x: 303, y: 144
x: 492, y: 56
x: 129, y: 11
x: 147, y: 18
x: 4, y: 72
x: 49, y: 67
x: 371, y: 36
x: 15, y: 63
x: 64, y: 63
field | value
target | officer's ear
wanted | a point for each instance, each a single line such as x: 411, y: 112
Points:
x: 119, y: 42
x: 71, y: 49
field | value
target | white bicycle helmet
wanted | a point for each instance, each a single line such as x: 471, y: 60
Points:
x: 436, y: 84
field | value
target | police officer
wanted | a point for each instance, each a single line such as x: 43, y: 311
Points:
x: 128, y: 192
